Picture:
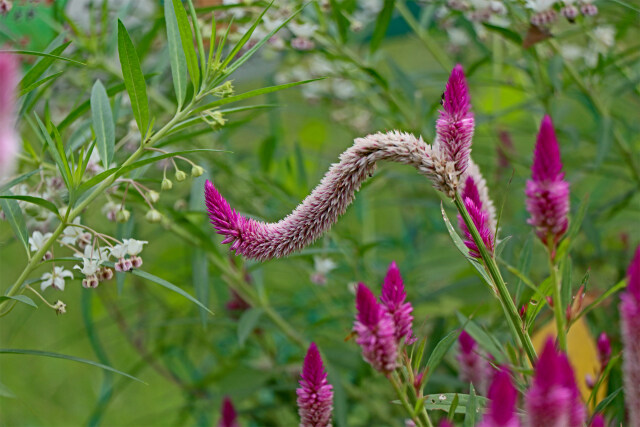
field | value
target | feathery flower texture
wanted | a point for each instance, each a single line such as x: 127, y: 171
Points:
x: 630, y: 320
x: 474, y: 368
x: 315, y: 394
x: 503, y: 398
x: 228, y: 414
x: 442, y: 164
x: 554, y: 399
x: 376, y: 332
x: 547, y: 191
x: 393, y: 299
x: 8, y: 136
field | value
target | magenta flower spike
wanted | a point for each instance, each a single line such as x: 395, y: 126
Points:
x: 229, y: 416
x: 598, y: 421
x: 473, y: 367
x: 554, y: 399
x: 604, y: 350
x: 455, y: 124
x: 8, y: 136
x: 330, y: 199
x: 480, y: 219
x: 503, y: 398
x: 376, y: 332
x: 547, y: 192
x: 630, y: 322
x: 445, y: 423
x: 393, y: 299
x: 315, y: 394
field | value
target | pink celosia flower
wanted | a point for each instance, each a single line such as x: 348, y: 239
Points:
x: 480, y: 219
x: 228, y: 414
x: 502, y: 407
x: 315, y: 394
x: 8, y: 136
x: 478, y: 191
x: 455, y: 124
x: 330, y: 199
x: 547, y: 191
x: 445, y: 423
x: 375, y: 330
x: 630, y: 322
x: 553, y: 399
x: 393, y: 299
x: 604, y: 350
x: 474, y: 368
x: 598, y: 421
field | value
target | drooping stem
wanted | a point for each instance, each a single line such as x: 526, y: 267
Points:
x: 513, y: 318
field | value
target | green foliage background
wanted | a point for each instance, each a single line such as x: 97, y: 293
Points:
x: 273, y: 157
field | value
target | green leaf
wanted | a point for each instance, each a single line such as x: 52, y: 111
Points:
x: 200, y: 275
x: 41, y: 66
x: 66, y: 357
x: 46, y: 55
x: 508, y: 34
x: 39, y: 83
x: 438, y: 353
x: 35, y: 200
x: 20, y: 298
x: 464, y: 250
x: 612, y: 290
x: 251, y: 94
x: 13, y: 214
x: 9, y: 185
x: 607, y: 400
x: 133, y: 78
x: 163, y: 283
x: 176, y: 53
x: 244, y: 39
x: 442, y: 402
x: 6, y: 392
x: 57, y: 153
x: 471, y: 409
x: 103, y: 125
x: 382, y: 24
x: 84, y: 107
x: 486, y: 341
x: 186, y: 36
x: 247, y: 323
x: 453, y: 407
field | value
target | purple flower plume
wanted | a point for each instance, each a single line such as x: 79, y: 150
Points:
x: 229, y: 416
x: 376, y: 333
x: 547, y: 191
x: 503, y: 398
x: 630, y: 322
x: 315, y: 394
x: 474, y: 368
x: 554, y: 399
x: 330, y: 199
x: 8, y: 136
x: 480, y: 219
x: 393, y: 299
x: 597, y: 421
x: 604, y: 350
x: 455, y: 124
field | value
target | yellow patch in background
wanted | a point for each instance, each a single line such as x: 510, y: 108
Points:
x: 583, y: 355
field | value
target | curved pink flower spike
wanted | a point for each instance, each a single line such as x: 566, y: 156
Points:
x: 393, y: 299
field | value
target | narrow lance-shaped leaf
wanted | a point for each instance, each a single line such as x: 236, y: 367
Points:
x: 187, y: 43
x: 103, y: 125
x: 133, y: 78
x: 13, y: 215
x: 176, y: 53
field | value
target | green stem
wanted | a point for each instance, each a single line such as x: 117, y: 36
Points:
x: 557, y: 301
x: 403, y: 399
x: 513, y: 318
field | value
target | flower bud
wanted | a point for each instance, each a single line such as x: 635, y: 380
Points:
x: 123, y: 265
x: 47, y: 256
x: 153, y: 196
x: 136, y: 261
x: 166, y: 184
x: 105, y: 274
x: 180, y: 175
x: 153, y: 216
x: 60, y: 307
x: 123, y: 215
x: 90, y: 282
x: 197, y: 171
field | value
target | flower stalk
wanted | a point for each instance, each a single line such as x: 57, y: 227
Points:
x: 513, y: 318
x: 556, y: 284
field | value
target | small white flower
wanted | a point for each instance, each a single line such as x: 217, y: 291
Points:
x: 134, y: 247
x: 605, y: 36
x: 89, y: 266
x: 101, y: 253
x: 540, y: 5
x: 305, y: 30
x: 55, y: 279
x: 571, y: 52
x: 37, y: 240
x: 119, y: 251
x: 323, y: 265
x: 71, y: 234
